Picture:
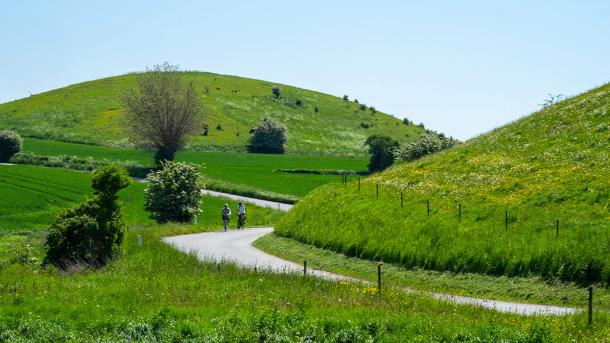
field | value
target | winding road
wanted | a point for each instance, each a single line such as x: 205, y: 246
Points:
x: 236, y: 246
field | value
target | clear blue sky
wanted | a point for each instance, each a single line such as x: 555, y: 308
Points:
x: 461, y: 67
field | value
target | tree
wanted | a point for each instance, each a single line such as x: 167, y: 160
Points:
x: 428, y: 143
x: 90, y: 234
x: 163, y: 111
x: 174, y: 193
x: 268, y: 137
x: 10, y: 144
x: 277, y: 92
x: 381, y: 149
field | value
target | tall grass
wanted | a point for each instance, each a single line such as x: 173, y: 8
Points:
x: 550, y: 166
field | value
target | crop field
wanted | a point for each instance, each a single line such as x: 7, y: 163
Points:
x: 534, y: 199
x: 233, y: 170
x: 91, y: 112
x: 30, y: 197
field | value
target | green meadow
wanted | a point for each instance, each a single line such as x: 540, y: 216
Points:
x: 534, y: 198
x: 231, y: 171
x: 91, y: 112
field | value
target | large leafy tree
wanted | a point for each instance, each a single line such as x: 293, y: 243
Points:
x: 162, y: 111
x: 381, y: 149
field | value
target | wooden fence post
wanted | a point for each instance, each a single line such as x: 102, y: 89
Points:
x: 401, y: 199
x: 379, y: 264
x: 590, y: 305
x: 358, y: 183
x: 557, y: 228
x: 428, y: 206
x: 377, y: 193
x: 305, y: 268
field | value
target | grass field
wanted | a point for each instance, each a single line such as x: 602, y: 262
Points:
x: 91, y: 112
x: 30, y: 197
x: 155, y: 293
x: 512, y: 184
x: 234, y: 170
x: 532, y: 289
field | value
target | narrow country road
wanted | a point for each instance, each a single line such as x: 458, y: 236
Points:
x: 258, y: 202
x: 236, y: 246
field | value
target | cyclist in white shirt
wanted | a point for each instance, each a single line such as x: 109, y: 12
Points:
x: 241, y: 215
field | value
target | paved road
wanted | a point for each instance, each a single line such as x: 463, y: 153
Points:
x: 236, y: 246
x: 258, y: 202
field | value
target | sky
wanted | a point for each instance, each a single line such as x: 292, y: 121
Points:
x: 460, y: 67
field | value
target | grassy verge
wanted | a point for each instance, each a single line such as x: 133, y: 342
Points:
x: 521, y: 289
x: 155, y: 293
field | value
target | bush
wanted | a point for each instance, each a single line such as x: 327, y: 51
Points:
x: 90, y: 234
x: 299, y: 103
x: 428, y: 143
x: 345, y: 97
x: 277, y: 92
x: 406, y: 121
x: 365, y: 125
x: 373, y: 109
x: 362, y: 107
x: 268, y: 137
x: 10, y: 144
x: 381, y: 149
x: 174, y: 193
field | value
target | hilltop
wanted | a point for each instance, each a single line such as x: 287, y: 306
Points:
x: 529, y: 198
x: 90, y: 112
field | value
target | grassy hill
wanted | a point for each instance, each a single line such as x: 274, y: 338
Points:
x: 532, y: 197
x: 90, y: 112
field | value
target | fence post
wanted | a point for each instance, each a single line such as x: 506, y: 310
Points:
x: 379, y: 264
x: 278, y: 206
x: 428, y: 206
x: 590, y: 305
x: 358, y: 183
x: 400, y: 199
x: 377, y: 191
x: 557, y: 228
x: 305, y: 268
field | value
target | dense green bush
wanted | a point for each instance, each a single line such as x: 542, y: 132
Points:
x: 428, y: 143
x: 135, y: 169
x: 90, y: 234
x: 10, y: 144
x: 268, y: 137
x: 381, y: 149
x: 276, y: 92
x: 174, y: 193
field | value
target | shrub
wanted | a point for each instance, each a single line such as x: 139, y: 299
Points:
x: 268, y: 137
x: 373, y: 109
x: 381, y: 149
x: 406, y: 121
x: 356, y: 101
x: 91, y: 233
x: 362, y: 107
x: 277, y: 92
x: 345, y: 97
x: 219, y: 127
x: 316, y: 109
x: 299, y: 103
x: 10, y: 144
x: 428, y: 143
x: 174, y: 193
x: 206, y: 130
x: 365, y: 125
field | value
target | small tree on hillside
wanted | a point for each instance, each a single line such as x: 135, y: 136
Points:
x: 268, y: 137
x: 163, y: 110
x: 90, y: 234
x: 276, y: 92
x: 174, y: 193
x: 381, y: 149
x: 10, y: 144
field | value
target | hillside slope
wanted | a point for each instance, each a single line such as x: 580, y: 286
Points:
x: 532, y: 197
x: 90, y: 112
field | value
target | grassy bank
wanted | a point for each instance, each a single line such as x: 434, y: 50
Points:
x: 530, y: 198
x: 521, y: 289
